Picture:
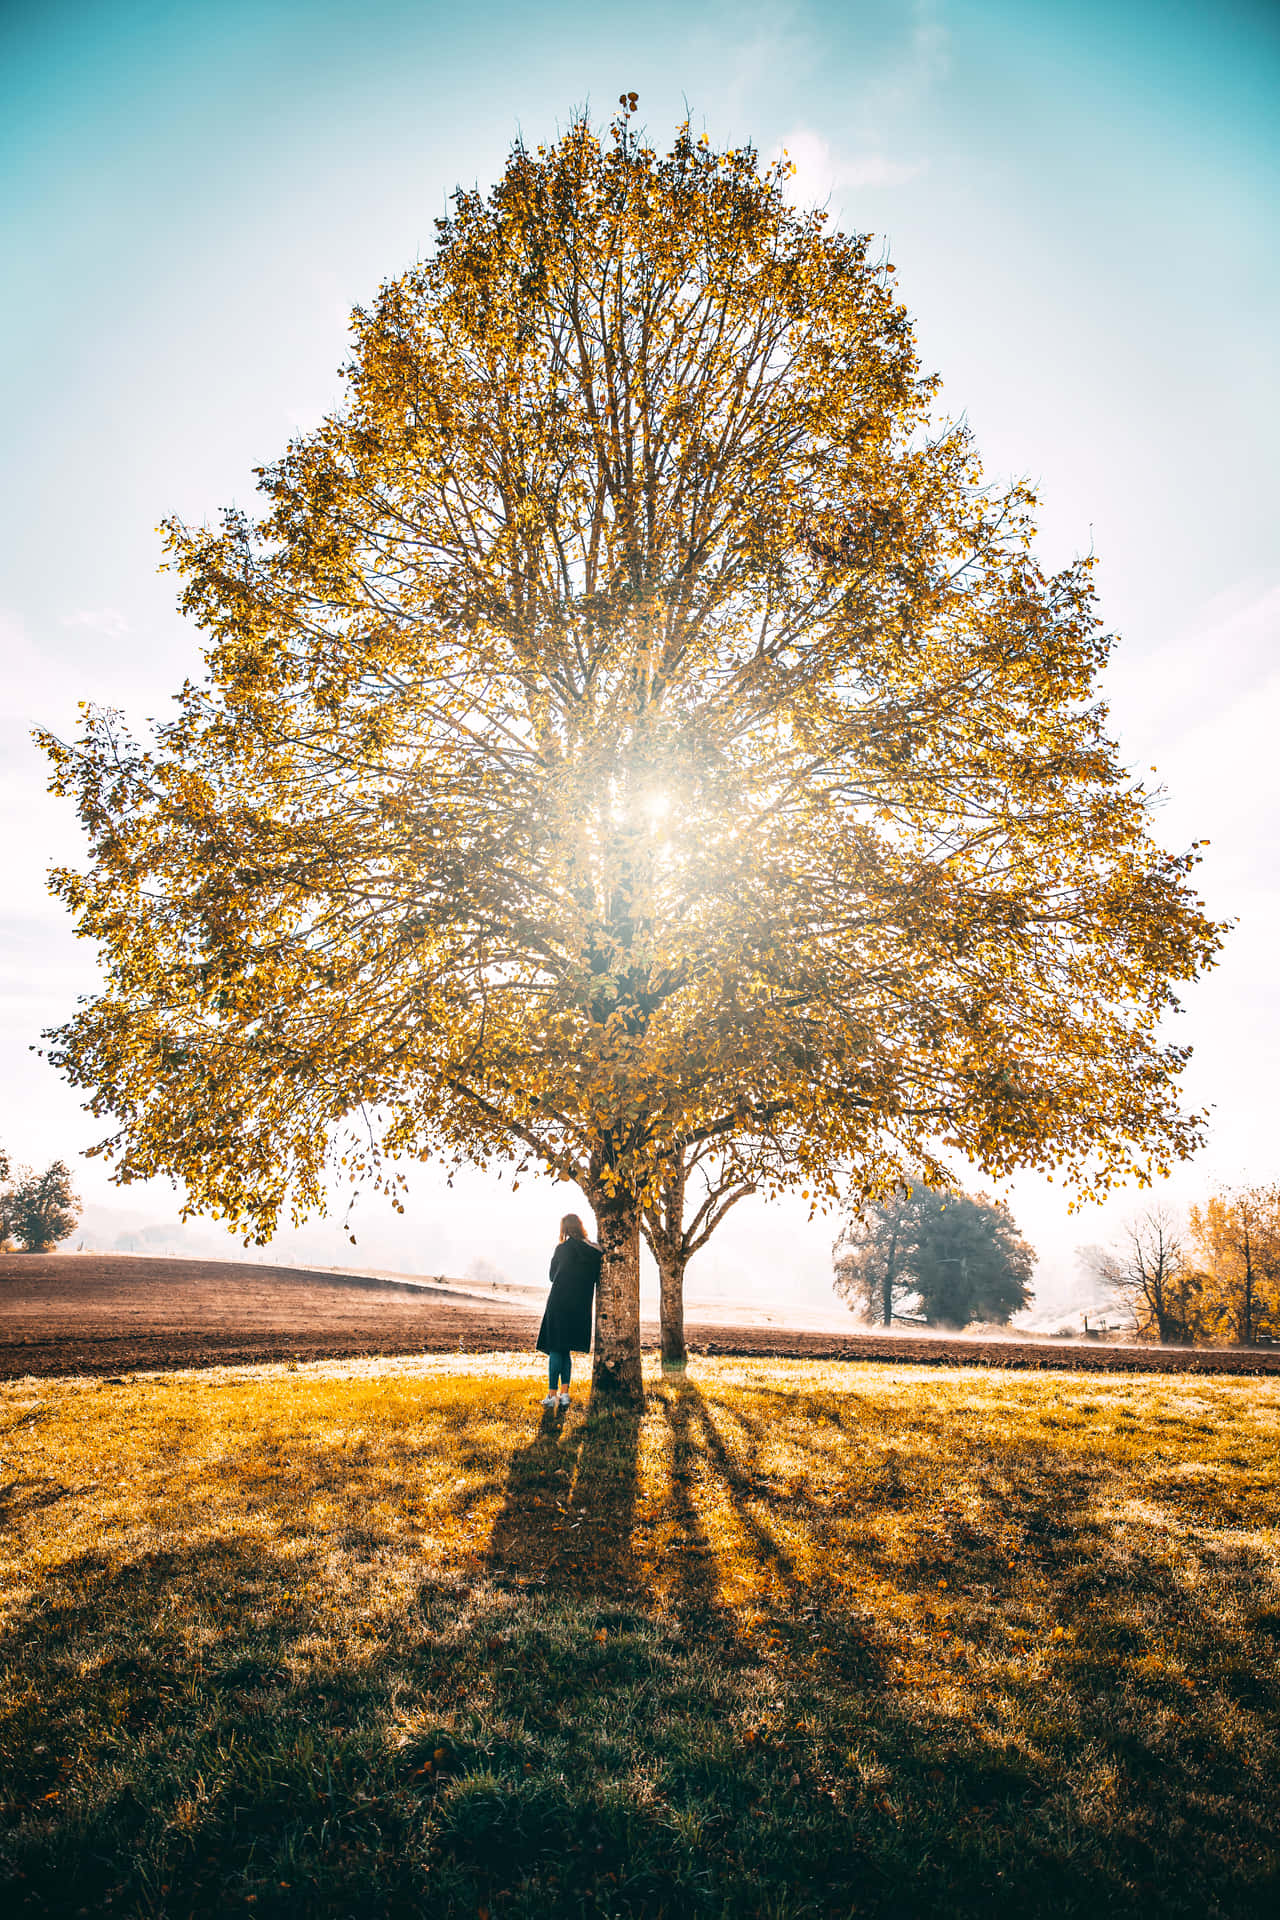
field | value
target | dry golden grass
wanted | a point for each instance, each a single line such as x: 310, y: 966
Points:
x: 804, y: 1638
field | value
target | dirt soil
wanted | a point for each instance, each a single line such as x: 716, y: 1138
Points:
x: 107, y: 1314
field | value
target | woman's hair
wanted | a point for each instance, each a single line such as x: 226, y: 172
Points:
x: 571, y: 1228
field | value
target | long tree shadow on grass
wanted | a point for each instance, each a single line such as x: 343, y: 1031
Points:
x: 250, y: 1716
x: 1128, y: 1710
x: 568, y: 1506
x: 185, y: 1734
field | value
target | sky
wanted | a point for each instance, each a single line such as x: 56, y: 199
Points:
x: 1079, y: 202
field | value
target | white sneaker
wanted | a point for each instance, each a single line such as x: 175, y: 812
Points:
x: 564, y: 1401
x: 551, y: 1401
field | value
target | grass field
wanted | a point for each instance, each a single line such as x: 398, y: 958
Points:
x: 374, y: 1637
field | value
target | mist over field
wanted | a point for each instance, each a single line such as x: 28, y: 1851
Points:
x: 768, y: 1256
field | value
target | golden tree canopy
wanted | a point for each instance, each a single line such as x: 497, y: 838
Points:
x: 631, y: 721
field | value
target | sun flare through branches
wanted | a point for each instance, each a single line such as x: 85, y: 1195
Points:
x: 632, y: 731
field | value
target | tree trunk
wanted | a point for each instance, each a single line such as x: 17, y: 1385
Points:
x: 616, y: 1375
x: 675, y: 1355
x: 672, y: 1262
x: 891, y: 1260
x: 1247, y: 1318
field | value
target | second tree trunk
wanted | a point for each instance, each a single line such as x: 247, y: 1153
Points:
x: 671, y: 1282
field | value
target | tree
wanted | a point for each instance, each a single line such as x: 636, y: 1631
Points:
x: 631, y: 728
x: 40, y: 1209
x: 873, y: 1253
x: 1235, y: 1239
x: 675, y: 1235
x: 1149, y: 1268
x: 970, y: 1261
x: 958, y: 1256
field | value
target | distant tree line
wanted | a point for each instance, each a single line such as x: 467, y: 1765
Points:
x: 935, y: 1256
x: 37, y: 1210
x: 1216, y: 1281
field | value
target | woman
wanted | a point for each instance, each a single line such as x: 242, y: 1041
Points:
x: 566, y: 1323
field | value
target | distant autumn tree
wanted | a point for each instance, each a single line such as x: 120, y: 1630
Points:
x: 1149, y: 1268
x: 630, y: 728
x: 958, y: 1257
x: 1234, y: 1242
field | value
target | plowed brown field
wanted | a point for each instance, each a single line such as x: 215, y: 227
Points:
x: 111, y: 1313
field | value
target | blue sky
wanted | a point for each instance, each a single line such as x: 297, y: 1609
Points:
x: 1079, y: 202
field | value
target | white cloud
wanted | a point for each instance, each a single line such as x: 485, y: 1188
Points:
x: 1204, y: 708
x: 36, y: 685
x: 108, y: 621
x: 821, y: 173
x: 930, y: 45
x: 1225, y: 657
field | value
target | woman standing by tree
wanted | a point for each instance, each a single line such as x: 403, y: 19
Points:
x: 566, y: 1321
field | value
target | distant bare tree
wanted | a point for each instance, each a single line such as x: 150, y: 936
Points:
x: 1148, y: 1266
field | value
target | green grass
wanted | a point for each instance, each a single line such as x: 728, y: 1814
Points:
x: 801, y: 1640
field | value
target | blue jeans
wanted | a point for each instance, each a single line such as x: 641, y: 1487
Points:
x: 559, y: 1367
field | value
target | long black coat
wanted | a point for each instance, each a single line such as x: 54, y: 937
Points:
x: 566, y: 1323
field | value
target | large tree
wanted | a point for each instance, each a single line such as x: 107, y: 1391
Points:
x: 631, y: 724
x: 971, y: 1263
